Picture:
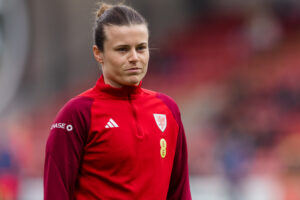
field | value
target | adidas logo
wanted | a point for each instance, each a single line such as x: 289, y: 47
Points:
x: 111, y: 124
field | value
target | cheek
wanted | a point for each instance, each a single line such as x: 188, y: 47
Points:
x: 145, y: 58
x: 115, y: 62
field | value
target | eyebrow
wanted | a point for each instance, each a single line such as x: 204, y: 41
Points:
x: 126, y: 45
x: 121, y: 46
x: 143, y: 43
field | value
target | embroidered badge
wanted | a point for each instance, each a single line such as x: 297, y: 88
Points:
x: 163, y: 148
x: 161, y: 121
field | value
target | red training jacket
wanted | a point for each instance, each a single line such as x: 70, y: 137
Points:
x: 111, y: 143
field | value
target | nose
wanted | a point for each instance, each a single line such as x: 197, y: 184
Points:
x: 133, y: 57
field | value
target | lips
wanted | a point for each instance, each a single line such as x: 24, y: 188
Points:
x: 134, y: 70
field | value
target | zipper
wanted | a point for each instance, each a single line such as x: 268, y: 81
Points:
x: 140, y: 134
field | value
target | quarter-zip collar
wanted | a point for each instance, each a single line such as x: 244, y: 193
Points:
x: 124, y: 92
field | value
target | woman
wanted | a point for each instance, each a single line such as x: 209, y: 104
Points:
x: 118, y: 140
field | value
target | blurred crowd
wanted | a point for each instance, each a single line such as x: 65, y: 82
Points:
x: 236, y: 80
x: 240, y: 100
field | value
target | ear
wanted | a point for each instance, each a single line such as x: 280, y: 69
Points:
x: 98, y: 54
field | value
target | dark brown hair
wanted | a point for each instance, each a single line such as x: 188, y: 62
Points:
x: 114, y: 15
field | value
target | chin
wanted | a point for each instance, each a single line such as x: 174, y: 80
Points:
x: 132, y: 81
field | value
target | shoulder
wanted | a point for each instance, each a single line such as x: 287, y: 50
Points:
x: 164, y: 98
x: 74, y: 116
x: 76, y: 105
x: 171, y: 105
x: 169, y: 102
x: 167, y: 99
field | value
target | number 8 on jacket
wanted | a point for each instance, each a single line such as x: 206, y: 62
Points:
x: 163, y: 148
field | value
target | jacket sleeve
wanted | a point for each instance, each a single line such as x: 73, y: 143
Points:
x: 179, y: 187
x: 64, y: 149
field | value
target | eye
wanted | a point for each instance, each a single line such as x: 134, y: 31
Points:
x: 122, y: 49
x: 141, y: 48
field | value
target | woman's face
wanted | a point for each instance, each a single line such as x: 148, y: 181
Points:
x: 125, y: 55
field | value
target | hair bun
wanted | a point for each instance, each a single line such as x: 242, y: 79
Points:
x: 102, y: 9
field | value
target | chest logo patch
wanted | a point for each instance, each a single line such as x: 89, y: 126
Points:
x: 161, y: 121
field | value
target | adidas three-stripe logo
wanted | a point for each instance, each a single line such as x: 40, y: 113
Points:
x: 111, y: 124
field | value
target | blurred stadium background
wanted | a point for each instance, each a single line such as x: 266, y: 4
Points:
x: 232, y: 66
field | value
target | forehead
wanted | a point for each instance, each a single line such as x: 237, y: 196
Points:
x: 130, y: 35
